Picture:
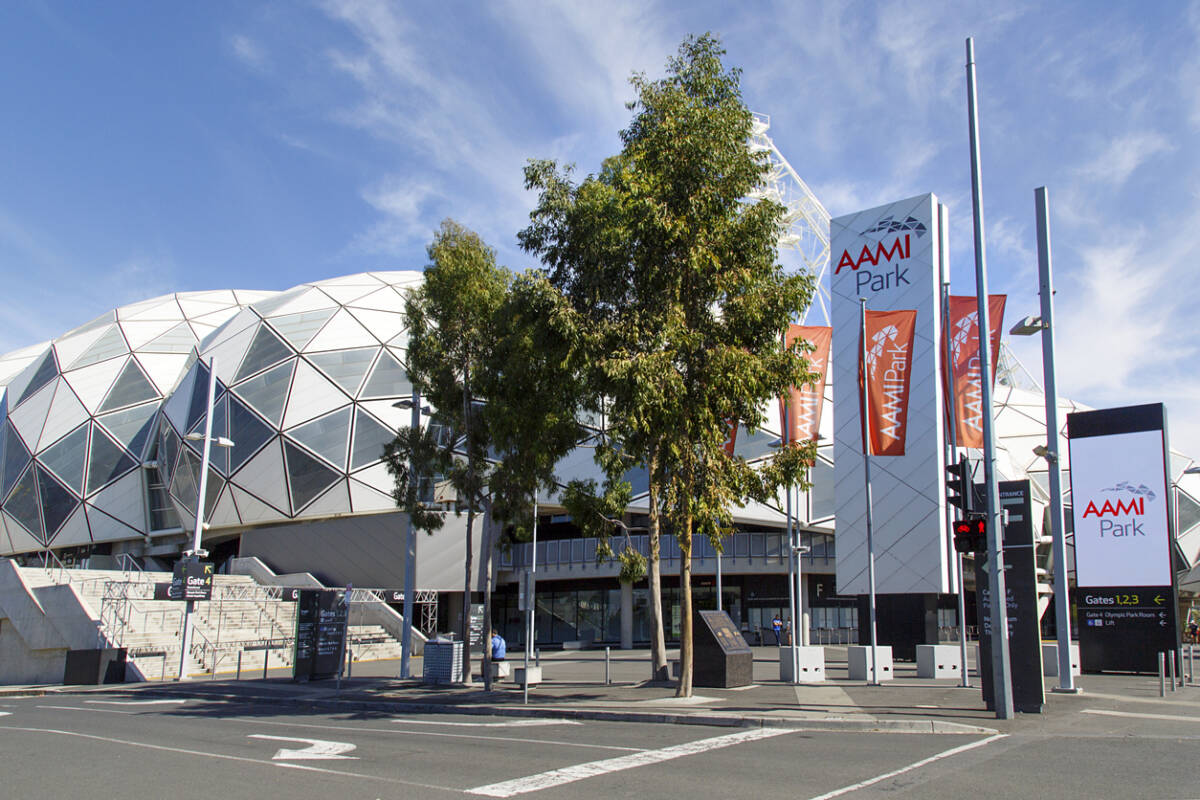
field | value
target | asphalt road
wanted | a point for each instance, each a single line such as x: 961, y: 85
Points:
x: 124, y: 746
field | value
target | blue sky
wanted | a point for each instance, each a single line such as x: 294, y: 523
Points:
x: 156, y: 147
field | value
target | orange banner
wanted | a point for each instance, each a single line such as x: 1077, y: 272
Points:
x: 804, y: 403
x: 967, y: 391
x: 731, y: 427
x: 890, y: 336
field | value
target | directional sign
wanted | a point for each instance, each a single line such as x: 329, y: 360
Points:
x: 317, y: 750
x: 1124, y: 627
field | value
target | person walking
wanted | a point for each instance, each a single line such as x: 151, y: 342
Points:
x: 777, y: 628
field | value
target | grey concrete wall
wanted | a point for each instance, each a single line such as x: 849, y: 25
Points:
x: 366, y: 550
x: 20, y: 665
x: 38, y: 625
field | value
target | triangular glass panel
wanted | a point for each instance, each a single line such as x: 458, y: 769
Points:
x: 249, y: 433
x: 57, y: 501
x: 169, y: 450
x: 269, y: 305
x: 265, y: 351
x: 388, y: 379
x: 345, y: 367
x: 212, y: 491
x: 66, y: 458
x: 107, y: 461
x: 326, y: 436
x: 218, y: 457
x: 130, y: 388
x: 23, y: 505
x: 268, y: 392
x: 370, y: 437
x: 110, y: 345
x: 103, y: 319
x: 1188, y: 510
x: 183, y: 486
x: 307, y: 476
x: 199, y: 403
x: 45, y: 373
x: 131, y: 427
x: 299, y: 328
x: 16, y: 456
x: 179, y: 339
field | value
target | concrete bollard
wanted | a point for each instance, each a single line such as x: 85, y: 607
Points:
x: 607, y: 666
x: 1171, y: 670
x: 238, y: 677
x: 1162, y: 672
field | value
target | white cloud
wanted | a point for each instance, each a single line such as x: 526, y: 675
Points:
x: 1121, y: 156
x: 248, y: 51
x: 408, y: 220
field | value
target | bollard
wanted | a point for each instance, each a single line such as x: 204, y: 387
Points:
x: 239, y: 667
x: 267, y: 660
x: 607, y: 667
x: 1171, y: 670
x: 349, y: 663
x: 1162, y: 682
x: 162, y: 673
x: 1191, y: 663
x: 537, y: 657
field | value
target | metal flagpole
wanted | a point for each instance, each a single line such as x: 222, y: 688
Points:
x: 791, y: 565
x: 410, y: 554
x: 1001, y: 664
x: 530, y: 594
x: 1062, y: 610
x: 951, y: 437
x: 866, y: 431
x: 196, y: 553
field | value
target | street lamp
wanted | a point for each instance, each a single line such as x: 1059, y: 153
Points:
x: 410, y: 538
x: 1050, y: 451
x: 197, y: 552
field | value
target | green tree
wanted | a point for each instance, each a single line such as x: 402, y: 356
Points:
x: 681, y: 311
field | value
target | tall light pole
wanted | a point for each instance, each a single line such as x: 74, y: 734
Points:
x: 1001, y: 664
x: 410, y: 538
x: 196, y: 552
x: 866, y: 434
x: 1027, y: 327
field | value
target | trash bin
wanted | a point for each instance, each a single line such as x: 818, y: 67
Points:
x: 443, y: 662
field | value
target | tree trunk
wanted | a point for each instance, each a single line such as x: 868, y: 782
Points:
x: 684, y: 689
x: 658, y: 644
x: 488, y: 547
x: 466, y: 614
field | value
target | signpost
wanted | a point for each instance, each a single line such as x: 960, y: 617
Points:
x: 1024, y: 633
x: 322, y: 617
x: 1121, y: 508
x: 190, y: 580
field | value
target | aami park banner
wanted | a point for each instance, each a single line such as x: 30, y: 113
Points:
x: 804, y: 403
x: 888, y: 351
x: 889, y: 255
x: 965, y: 371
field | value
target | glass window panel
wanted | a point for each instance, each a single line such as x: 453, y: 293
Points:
x: 66, y: 458
x: 370, y: 437
x: 298, y: 329
x: 741, y: 545
x: 346, y: 367
x: 577, y: 551
x: 212, y: 490
x: 307, y: 476
x: 268, y: 392
x: 758, y: 545
x: 590, y: 626
x: 821, y: 493
x: 639, y: 479
x: 130, y: 388
x: 110, y: 345
x: 169, y: 450
x: 388, y: 379
x: 45, y: 373
x: 1188, y: 510
x: 162, y: 510
x: 179, y: 339
x: 106, y: 462
x: 131, y: 427
x: 57, y: 501
x: 326, y: 436
x: 774, y: 545
x: 15, y: 458
x: 265, y: 351
x: 551, y: 552
x: 612, y: 616
x: 22, y: 504
x: 183, y: 486
x: 564, y: 611
x: 198, y: 406
x: 753, y: 445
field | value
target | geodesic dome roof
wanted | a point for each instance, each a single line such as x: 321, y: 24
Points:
x: 78, y: 414
x: 306, y: 386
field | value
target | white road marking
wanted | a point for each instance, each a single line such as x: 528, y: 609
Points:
x: 317, y: 750
x: 915, y: 765
x: 426, y: 733
x: 1137, y: 715
x: 516, y: 723
x: 224, y: 757
x: 136, y: 702
x: 558, y: 777
x: 93, y: 710
x: 5, y: 713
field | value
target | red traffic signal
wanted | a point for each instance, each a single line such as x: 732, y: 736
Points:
x: 970, y: 535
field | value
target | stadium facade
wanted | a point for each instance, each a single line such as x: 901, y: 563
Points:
x: 96, y: 460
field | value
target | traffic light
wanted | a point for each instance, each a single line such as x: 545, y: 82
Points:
x: 970, y: 534
x: 958, y: 485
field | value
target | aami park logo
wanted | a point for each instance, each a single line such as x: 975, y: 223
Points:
x: 884, y: 258
x: 1118, y: 514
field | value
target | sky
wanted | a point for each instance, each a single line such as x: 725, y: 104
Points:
x: 154, y: 147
